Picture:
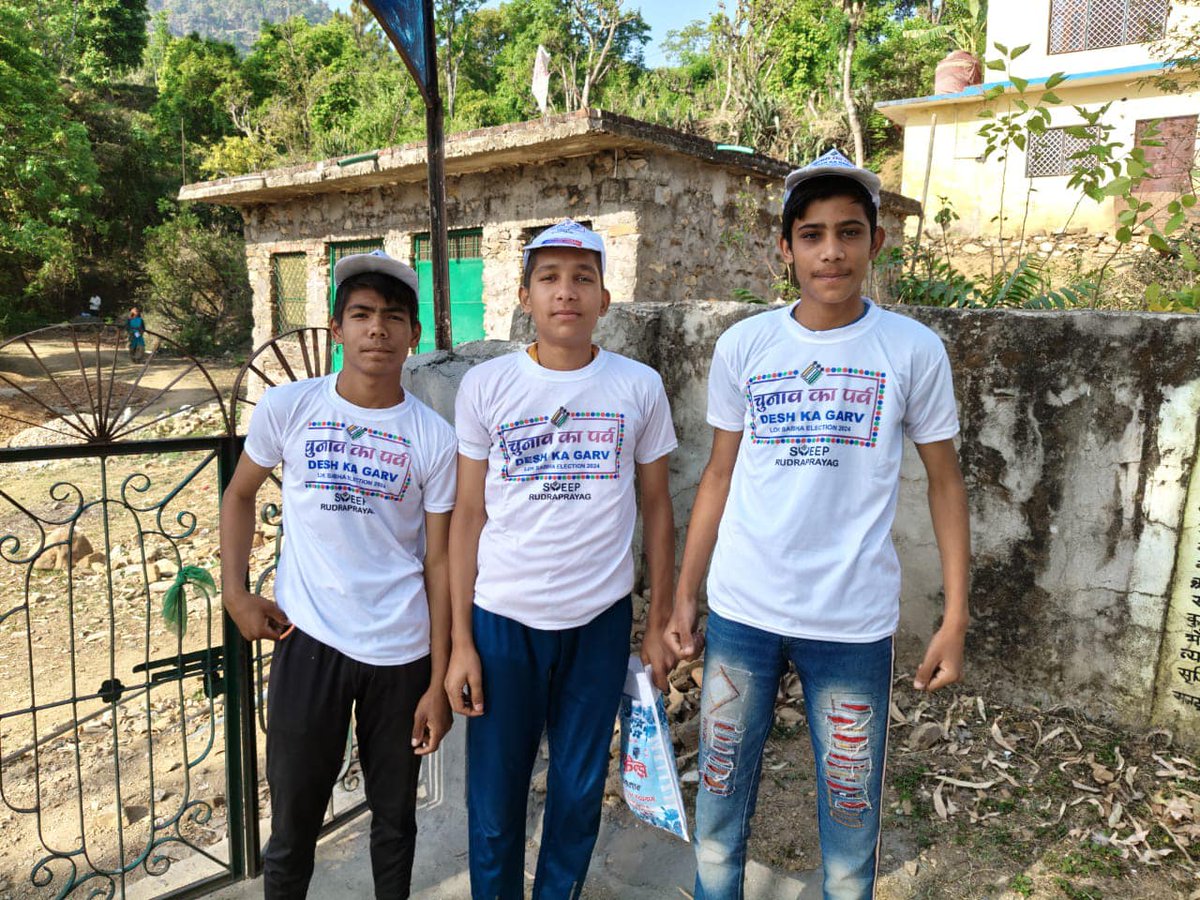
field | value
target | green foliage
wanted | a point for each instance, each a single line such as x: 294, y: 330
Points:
x: 198, y: 284
x: 48, y: 179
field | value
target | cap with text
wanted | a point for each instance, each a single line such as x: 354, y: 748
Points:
x: 567, y: 233
x: 833, y: 163
x: 375, y: 261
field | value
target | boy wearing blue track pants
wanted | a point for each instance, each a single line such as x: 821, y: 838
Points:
x: 550, y: 439
x: 810, y: 405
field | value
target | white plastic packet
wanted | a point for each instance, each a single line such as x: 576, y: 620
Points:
x: 649, y: 778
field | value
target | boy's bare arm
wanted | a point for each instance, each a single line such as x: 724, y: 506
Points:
x: 466, y: 524
x: 433, y: 718
x: 707, y: 510
x: 658, y: 538
x: 943, y: 661
x: 256, y: 617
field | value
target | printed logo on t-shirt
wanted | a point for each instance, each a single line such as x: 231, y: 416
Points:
x: 586, y: 446
x: 372, y: 463
x: 817, y: 405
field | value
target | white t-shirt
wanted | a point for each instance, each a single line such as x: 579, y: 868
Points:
x: 556, y: 549
x: 804, y: 548
x: 356, y: 486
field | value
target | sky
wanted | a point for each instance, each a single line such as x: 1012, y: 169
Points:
x: 662, y: 15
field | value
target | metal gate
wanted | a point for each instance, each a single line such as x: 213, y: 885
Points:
x: 129, y: 715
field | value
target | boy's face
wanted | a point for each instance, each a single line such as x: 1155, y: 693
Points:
x: 376, y: 336
x: 830, y: 251
x: 564, y: 297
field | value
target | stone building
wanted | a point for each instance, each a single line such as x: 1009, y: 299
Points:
x: 683, y: 218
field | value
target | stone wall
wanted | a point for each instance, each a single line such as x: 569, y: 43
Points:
x: 675, y: 227
x: 1079, y: 437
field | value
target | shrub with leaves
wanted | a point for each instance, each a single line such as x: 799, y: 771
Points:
x: 198, y: 284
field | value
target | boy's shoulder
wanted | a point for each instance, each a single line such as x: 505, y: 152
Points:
x: 288, y: 395
x: 429, y: 418
x: 490, y: 368
x: 900, y: 326
x: 768, y: 324
x: 628, y: 367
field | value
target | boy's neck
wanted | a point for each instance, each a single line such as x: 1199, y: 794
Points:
x: 368, y: 391
x: 825, y: 317
x: 560, y: 358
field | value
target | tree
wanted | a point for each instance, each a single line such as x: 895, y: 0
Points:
x: 48, y: 180
x: 456, y: 21
x: 600, y: 33
x: 854, y: 11
x: 91, y: 39
x: 198, y: 282
x: 199, y: 81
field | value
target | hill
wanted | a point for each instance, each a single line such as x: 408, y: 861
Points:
x: 235, y: 21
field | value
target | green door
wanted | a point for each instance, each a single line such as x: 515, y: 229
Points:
x: 336, y: 252
x: 466, y: 287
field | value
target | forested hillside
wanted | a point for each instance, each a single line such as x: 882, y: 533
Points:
x: 234, y: 21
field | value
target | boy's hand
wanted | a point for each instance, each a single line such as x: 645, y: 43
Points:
x: 431, y: 721
x: 681, y: 636
x: 256, y: 617
x: 464, y: 681
x: 943, y: 661
x: 657, y: 655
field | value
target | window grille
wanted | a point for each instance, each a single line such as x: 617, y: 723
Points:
x: 459, y: 245
x: 289, y: 282
x: 1049, y: 152
x: 1093, y: 24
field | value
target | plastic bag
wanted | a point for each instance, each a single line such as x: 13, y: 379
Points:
x: 649, y: 778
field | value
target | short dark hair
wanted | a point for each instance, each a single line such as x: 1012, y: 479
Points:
x: 527, y: 274
x: 825, y: 187
x: 392, y: 290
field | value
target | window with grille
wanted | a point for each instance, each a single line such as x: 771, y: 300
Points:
x: 1093, y: 24
x: 459, y: 245
x: 1049, y: 152
x: 289, y: 279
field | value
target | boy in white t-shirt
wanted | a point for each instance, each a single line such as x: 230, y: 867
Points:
x: 363, y: 614
x: 810, y: 406
x: 550, y: 439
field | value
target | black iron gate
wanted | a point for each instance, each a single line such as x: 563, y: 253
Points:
x: 130, y: 709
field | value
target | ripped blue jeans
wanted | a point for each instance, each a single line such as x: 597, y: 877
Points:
x: 847, y: 689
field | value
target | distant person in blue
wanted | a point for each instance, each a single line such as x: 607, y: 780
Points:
x: 136, y: 326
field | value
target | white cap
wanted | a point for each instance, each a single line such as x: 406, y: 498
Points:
x: 833, y: 163
x: 375, y: 261
x: 567, y: 233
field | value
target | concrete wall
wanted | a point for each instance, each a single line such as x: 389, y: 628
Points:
x: 974, y: 185
x: 1015, y: 23
x: 1079, y: 438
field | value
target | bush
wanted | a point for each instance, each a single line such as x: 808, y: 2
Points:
x: 198, y: 284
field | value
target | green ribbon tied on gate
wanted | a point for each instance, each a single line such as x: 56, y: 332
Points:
x: 174, y: 608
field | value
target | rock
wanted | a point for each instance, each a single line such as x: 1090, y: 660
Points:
x: 165, y: 568
x: 925, y: 736
x: 135, y: 813
x: 1045, y: 246
x: 911, y: 866
x: 973, y: 249
x: 788, y: 717
x: 92, y: 558
x: 57, y: 557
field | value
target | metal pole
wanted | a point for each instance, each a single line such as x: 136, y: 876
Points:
x: 436, y: 159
